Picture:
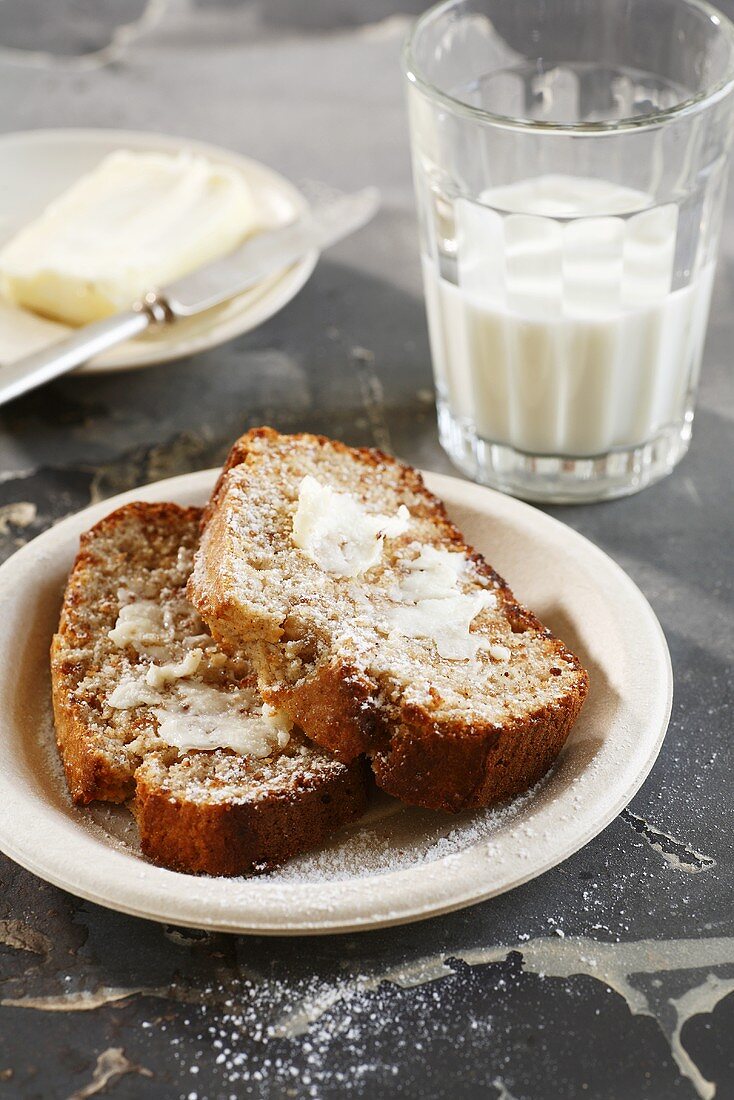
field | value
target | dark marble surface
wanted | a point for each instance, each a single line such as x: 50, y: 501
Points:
x: 608, y: 976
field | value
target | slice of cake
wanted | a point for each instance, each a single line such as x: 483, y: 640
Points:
x: 148, y: 707
x: 375, y: 628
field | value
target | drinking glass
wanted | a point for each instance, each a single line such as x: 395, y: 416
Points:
x: 570, y: 164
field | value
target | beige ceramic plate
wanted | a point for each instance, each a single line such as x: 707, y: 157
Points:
x: 38, y: 165
x: 398, y: 864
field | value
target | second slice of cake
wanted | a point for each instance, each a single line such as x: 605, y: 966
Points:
x: 149, y: 709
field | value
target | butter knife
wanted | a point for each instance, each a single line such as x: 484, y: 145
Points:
x: 319, y: 227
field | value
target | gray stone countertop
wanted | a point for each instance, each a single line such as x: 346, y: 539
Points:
x: 606, y: 977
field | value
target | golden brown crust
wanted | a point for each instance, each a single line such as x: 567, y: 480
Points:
x: 90, y: 775
x: 446, y: 764
x: 239, y: 839
x: 475, y: 769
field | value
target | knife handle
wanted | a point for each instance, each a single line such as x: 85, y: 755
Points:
x: 34, y: 370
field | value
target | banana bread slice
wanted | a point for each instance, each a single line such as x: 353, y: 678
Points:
x: 148, y: 707
x: 375, y: 627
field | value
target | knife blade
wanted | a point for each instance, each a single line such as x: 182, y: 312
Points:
x: 318, y: 228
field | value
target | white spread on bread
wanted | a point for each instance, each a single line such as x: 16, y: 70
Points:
x: 190, y: 713
x: 139, y: 625
x: 428, y: 603
x: 337, y: 533
x: 201, y: 716
x: 150, y: 628
x: 132, y: 691
x: 433, y: 575
x: 160, y: 675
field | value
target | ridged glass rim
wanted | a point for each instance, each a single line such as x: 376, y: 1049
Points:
x: 634, y: 122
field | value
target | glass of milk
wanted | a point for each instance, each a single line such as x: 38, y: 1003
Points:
x: 570, y: 162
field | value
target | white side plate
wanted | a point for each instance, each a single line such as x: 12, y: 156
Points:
x: 397, y: 864
x: 38, y: 165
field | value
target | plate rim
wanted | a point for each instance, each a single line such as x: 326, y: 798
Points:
x: 326, y: 922
x: 279, y: 289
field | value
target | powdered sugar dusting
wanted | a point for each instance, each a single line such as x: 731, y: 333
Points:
x: 394, y: 837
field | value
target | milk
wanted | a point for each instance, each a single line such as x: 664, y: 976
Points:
x: 556, y: 326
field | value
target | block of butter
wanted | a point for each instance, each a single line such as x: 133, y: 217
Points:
x: 138, y: 220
